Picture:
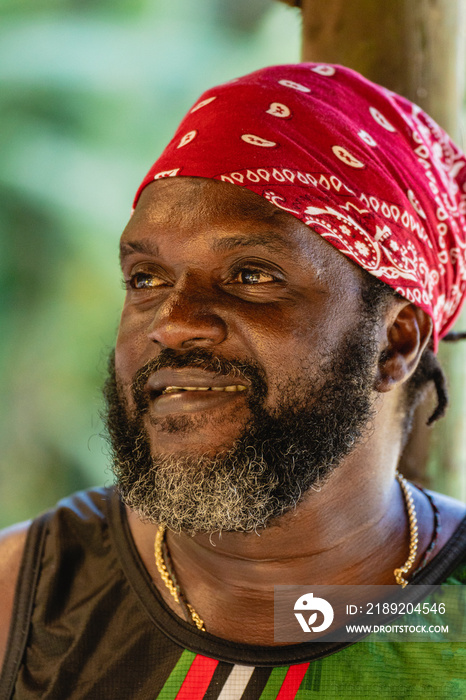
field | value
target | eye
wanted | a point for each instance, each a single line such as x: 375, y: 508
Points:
x: 143, y: 280
x: 251, y: 276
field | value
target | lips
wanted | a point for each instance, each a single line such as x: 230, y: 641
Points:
x: 190, y: 389
x: 229, y: 387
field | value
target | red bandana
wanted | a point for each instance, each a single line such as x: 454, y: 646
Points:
x: 363, y: 167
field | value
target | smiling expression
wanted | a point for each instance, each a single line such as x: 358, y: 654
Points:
x: 208, y: 265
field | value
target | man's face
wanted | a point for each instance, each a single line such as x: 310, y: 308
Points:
x: 243, y: 365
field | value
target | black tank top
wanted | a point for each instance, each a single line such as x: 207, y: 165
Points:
x: 88, y: 623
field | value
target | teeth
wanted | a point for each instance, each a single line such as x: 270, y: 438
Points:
x: 232, y: 387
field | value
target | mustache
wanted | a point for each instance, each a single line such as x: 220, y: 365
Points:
x: 198, y: 358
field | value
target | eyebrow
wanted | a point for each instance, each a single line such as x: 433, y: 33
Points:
x: 274, y: 242
x: 270, y: 240
x: 128, y: 247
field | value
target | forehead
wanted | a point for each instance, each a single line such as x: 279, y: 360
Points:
x: 184, y: 198
x: 209, y: 211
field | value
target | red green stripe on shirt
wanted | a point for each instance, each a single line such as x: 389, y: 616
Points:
x: 197, y: 679
x: 192, y: 674
x: 293, y: 680
x: 284, y: 682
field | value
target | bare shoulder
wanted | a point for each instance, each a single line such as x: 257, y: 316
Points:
x: 12, y: 541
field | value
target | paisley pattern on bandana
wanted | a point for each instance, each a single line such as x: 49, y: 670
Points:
x: 363, y: 167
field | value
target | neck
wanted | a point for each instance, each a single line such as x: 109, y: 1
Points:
x: 329, y: 535
x: 354, y: 530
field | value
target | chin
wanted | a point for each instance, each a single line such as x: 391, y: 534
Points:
x: 185, y: 435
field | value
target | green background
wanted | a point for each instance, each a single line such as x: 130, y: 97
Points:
x: 90, y: 92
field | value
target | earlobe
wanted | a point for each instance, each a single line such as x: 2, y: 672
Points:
x: 408, y: 334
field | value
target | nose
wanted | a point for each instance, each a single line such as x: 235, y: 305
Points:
x: 188, y: 318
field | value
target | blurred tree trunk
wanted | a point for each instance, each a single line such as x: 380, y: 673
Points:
x: 416, y: 48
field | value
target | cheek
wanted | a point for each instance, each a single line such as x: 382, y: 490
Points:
x: 286, y: 351
x: 132, y: 347
x: 295, y: 349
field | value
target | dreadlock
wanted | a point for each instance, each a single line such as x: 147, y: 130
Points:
x: 375, y: 296
x: 428, y: 370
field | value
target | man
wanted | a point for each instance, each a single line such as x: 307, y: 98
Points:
x: 258, y: 399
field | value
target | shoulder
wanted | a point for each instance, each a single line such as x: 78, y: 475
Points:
x: 451, y: 513
x: 77, y: 521
x: 12, y: 543
x: 451, y: 541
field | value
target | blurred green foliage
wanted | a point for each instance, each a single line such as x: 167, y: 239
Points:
x: 90, y: 92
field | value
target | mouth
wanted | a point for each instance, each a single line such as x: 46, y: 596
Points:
x: 189, y: 390
x: 229, y: 387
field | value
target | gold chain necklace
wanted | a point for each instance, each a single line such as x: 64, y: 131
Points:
x: 413, y: 532
x: 170, y: 581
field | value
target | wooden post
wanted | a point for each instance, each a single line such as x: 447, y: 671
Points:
x: 416, y: 48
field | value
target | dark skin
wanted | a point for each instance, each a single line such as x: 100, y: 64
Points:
x: 212, y: 265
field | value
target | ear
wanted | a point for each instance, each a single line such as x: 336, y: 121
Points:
x: 408, y: 332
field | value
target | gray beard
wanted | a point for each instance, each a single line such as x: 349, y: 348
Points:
x: 280, y: 455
